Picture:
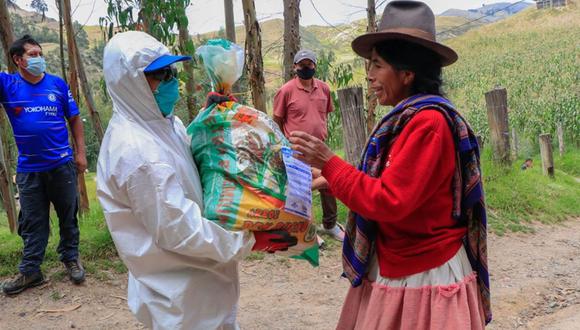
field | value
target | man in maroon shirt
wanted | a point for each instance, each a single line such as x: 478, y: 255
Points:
x: 303, y: 104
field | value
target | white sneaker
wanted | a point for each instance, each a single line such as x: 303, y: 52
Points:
x: 336, y: 232
x: 320, y: 241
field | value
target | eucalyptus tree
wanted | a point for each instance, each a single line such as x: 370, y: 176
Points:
x: 291, y: 35
x: 254, y: 60
x: 6, y: 164
x: 40, y: 7
x: 371, y: 97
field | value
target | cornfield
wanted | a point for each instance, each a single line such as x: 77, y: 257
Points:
x: 535, y: 56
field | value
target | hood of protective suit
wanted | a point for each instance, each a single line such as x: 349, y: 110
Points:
x: 126, y: 56
x: 182, y: 267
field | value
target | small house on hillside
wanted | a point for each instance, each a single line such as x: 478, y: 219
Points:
x: 541, y: 4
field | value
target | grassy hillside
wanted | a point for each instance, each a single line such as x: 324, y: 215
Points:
x: 46, y: 32
x: 534, y: 55
x: 515, y: 197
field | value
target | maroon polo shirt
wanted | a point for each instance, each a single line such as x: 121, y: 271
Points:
x: 303, y: 110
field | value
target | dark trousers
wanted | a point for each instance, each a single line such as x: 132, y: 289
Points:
x: 37, y: 190
x: 329, y: 214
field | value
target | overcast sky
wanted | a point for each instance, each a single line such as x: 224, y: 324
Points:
x: 208, y: 15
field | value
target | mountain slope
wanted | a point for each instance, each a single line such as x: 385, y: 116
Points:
x: 490, y: 12
x: 46, y: 32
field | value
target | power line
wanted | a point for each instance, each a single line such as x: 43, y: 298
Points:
x: 272, y: 45
x: 466, y: 23
x: 324, y: 19
x: 479, y: 18
x: 380, y: 4
x: 87, y: 21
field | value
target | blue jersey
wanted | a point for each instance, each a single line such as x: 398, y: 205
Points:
x: 38, y: 114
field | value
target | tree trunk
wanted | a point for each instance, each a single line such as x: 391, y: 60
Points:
x: 60, y: 6
x: 6, y: 188
x: 146, y: 17
x: 371, y: 97
x: 73, y: 60
x: 291, y: 35
x: 88, y: 95
x: 84, y: 82
x: 6, y: 33
x: 71, y: 48
x: 497, y: 116
x: 7, y: 36
x: 230, y: 26
x: 352, y: 111
x: 186, y: 47
x: 254, y: 60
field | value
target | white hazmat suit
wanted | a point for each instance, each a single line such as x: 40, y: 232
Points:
x: 183, y: 268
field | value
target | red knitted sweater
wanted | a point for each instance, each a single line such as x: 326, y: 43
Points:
x: 411, y: 201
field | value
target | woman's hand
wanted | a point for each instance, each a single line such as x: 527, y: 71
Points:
x: 311, y: 150
x: 319, y: 183
x: 315, y: 172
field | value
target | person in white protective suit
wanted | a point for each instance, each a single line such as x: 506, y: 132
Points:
x: 183, y: 268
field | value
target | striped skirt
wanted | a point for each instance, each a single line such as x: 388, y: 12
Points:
x: 445, y: 297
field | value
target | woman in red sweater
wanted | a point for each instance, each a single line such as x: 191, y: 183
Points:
x: 415, y: 250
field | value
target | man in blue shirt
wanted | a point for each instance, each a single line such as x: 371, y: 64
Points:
x: 39, y: 105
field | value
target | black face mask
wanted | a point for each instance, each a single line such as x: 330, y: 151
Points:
x: 305, y: 73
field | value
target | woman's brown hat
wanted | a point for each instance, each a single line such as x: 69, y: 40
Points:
x: 411, y: 21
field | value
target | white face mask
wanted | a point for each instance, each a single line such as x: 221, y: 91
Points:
x: 36, y: 65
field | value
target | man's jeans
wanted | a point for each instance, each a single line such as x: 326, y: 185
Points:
x: 329, y: 209
x: 37, y: 190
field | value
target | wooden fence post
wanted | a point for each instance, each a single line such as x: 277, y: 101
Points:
x: 560, y: 132
x: 353, y: 122
x: 514, y: 144
x: 479, y: 139
x: 546, y: 153
x: 497, y: 116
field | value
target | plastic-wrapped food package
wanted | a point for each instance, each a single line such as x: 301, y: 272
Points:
x: 250, y: 181
x: 223, y: 62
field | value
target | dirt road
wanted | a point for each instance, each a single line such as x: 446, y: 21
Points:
x: 535, y: 278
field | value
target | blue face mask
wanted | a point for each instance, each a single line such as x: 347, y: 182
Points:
x: 36, y: 65
x: 166, y: 95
